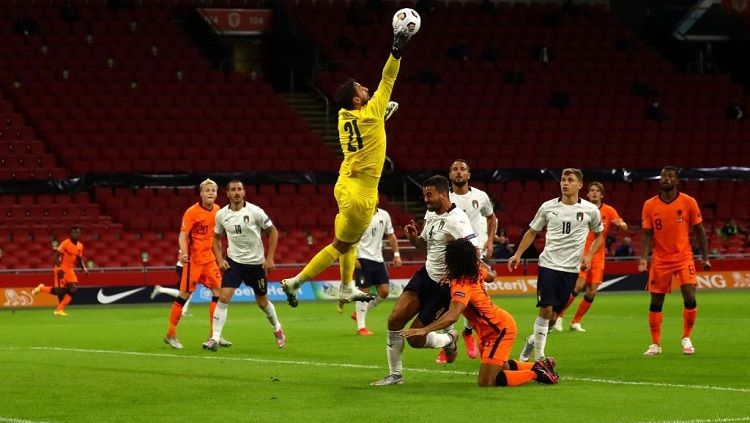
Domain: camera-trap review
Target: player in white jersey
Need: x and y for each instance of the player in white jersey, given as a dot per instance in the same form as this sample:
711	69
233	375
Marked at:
427	295
568	219
174	292
478	207
244	224
370	268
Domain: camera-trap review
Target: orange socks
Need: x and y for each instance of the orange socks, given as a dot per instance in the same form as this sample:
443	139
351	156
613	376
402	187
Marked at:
174	316
65	301
570	301
514	377
654	324
582	309
688	321
211	308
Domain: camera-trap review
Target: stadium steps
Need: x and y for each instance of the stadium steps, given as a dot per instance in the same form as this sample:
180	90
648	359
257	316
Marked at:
309	107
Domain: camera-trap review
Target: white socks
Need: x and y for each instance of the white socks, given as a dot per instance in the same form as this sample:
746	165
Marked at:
185	307
541	326
362	308
437	340
394	348
220	317
270	311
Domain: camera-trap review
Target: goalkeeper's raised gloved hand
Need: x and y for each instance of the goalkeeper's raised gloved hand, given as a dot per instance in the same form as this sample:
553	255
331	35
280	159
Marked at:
400	38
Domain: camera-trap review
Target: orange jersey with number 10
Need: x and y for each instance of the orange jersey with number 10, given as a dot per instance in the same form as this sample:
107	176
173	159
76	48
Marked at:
671	223
199	223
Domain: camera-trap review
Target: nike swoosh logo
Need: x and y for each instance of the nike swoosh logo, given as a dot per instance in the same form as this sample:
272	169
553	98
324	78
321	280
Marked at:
611	282
109	299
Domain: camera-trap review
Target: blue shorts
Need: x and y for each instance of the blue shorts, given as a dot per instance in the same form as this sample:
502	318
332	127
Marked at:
553	288
252	274
370	273
434	298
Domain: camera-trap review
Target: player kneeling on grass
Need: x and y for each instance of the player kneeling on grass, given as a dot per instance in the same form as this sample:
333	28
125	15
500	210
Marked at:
495	326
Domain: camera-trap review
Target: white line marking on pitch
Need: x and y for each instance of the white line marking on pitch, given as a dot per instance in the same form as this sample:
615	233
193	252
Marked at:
12	420
373	367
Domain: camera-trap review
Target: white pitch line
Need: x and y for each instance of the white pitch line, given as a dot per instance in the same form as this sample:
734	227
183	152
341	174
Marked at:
373	367
12	420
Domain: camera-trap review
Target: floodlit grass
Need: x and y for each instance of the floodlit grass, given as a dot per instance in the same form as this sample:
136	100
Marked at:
109	364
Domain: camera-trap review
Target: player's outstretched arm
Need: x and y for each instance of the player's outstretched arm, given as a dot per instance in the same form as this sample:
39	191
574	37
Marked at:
446	319
526	241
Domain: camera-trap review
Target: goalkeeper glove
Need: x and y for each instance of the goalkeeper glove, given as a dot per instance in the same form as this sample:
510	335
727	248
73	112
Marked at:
400	38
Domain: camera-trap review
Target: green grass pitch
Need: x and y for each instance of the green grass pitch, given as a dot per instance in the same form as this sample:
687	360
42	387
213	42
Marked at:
108	364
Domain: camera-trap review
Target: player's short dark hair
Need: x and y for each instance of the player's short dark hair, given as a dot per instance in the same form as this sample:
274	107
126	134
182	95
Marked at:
235	181
573	171
598	185
462	259
674	169
440	183
464	161
74	227
345	93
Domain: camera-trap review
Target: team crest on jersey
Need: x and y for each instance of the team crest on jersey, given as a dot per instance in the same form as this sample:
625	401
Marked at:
246	219
475	204
579	216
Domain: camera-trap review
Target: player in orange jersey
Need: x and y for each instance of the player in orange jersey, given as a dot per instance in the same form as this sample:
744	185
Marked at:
591	278
668	219
199	263
68	254
494	326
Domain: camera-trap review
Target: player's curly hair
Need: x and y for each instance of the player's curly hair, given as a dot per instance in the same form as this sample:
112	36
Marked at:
462	260
345	93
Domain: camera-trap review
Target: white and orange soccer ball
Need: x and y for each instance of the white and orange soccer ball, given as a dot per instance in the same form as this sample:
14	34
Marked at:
408	18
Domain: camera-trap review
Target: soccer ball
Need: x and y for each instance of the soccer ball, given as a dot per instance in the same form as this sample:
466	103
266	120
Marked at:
408	18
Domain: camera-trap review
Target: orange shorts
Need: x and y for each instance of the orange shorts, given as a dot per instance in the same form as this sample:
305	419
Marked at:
595	274
660	278
206	273
494	349
69	277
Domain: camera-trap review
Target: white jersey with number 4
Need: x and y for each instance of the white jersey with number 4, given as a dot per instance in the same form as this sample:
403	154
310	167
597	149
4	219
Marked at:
477	205
567	228
438	230
243	228
371	244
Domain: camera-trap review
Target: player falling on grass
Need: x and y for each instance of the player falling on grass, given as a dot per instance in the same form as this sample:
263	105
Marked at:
477	205
568	220
65	282
244	224
361	126
593	277
174	292
495	327
370	267
668	219
427	295
196	242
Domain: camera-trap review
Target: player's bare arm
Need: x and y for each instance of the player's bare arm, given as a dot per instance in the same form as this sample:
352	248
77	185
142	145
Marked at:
700	234
491	230
446	319
218	254
83	266
620	225
273	241
394	247
412	235
183	242
595	246
526	241
56	259
646	240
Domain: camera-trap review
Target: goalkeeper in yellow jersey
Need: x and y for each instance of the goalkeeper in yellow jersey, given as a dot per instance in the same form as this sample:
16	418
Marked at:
361	126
